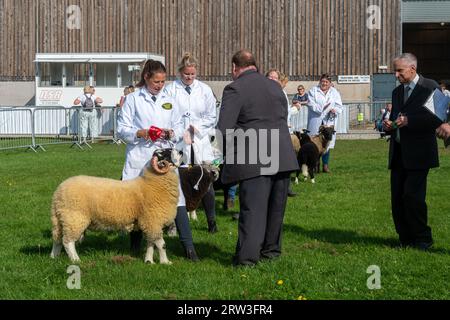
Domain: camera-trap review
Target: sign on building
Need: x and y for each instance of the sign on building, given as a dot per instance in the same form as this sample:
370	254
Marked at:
353	79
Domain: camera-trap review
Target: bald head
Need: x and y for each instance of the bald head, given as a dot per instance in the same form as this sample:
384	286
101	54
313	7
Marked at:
243	60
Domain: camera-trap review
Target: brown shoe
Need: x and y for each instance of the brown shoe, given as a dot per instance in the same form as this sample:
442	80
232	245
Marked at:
230	204
326	169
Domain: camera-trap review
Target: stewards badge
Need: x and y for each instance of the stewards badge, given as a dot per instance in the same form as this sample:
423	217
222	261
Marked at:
167	106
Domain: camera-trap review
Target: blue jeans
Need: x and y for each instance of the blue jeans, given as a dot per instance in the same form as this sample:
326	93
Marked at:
326	158
232	192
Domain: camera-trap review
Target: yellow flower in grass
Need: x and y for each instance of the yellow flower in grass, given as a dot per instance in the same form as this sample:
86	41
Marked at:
280	282
301	298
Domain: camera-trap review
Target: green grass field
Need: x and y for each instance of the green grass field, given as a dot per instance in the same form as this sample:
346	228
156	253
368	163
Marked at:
333	232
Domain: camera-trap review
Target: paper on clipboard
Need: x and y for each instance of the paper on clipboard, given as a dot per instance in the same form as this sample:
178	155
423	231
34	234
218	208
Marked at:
438	104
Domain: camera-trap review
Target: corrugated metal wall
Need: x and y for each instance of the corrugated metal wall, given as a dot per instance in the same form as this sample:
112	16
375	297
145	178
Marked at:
303	38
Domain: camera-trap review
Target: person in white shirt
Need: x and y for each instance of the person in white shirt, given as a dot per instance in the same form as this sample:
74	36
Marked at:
151	106
324	106
87	116
444	90
197	105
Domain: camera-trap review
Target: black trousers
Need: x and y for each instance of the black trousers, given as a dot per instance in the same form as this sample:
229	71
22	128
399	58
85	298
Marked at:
408	200
262	205
209	204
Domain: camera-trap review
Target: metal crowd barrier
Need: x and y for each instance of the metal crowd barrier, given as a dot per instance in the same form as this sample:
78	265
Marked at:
16	128
356	115
299	121
36	127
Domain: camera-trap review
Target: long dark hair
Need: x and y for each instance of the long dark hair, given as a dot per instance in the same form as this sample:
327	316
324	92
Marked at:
150	68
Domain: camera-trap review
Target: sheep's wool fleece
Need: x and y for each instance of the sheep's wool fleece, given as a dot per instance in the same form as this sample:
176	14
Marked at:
148	202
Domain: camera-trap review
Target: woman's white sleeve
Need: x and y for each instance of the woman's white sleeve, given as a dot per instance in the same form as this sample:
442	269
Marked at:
125	125
208	116
313	105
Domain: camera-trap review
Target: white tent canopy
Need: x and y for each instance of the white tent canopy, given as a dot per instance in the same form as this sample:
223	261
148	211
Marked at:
97	57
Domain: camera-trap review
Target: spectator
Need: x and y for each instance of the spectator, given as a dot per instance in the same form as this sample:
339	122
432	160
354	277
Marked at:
301	96
87	116
126	91
443	87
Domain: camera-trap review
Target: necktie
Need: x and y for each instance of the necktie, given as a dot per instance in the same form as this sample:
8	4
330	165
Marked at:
405	98
188	89
154	98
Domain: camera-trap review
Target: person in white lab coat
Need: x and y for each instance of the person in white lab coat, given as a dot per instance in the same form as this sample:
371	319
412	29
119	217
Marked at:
324	106
197	105
151	106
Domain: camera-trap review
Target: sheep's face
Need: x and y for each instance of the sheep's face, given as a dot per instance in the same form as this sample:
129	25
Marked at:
327	132
173	156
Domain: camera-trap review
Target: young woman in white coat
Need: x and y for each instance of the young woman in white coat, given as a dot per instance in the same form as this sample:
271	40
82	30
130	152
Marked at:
198	110
324	106
151	106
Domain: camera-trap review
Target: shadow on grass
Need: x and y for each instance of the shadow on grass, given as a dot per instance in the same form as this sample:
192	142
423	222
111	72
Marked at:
120	242
336	236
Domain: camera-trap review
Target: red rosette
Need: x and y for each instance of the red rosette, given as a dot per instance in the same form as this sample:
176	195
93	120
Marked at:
154	133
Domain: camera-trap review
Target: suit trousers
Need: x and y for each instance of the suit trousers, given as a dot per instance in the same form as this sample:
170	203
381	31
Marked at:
408	200
262	205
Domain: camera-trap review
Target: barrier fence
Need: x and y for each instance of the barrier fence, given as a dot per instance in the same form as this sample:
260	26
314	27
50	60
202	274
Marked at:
36	127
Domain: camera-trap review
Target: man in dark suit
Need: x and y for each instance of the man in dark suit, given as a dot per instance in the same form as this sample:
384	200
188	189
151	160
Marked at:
413	152
253	121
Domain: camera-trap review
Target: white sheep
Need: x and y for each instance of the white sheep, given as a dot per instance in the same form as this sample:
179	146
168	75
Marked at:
148	203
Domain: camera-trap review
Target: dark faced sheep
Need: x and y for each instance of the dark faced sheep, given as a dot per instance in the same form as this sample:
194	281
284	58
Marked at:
148	203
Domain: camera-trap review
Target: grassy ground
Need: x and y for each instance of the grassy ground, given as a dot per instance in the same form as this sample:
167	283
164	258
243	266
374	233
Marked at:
333	232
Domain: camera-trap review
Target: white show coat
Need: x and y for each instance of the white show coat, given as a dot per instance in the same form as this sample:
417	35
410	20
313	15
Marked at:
199	110
318	115
141	112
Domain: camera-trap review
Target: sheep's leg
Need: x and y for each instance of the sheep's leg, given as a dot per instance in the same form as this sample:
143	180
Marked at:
193	215
161	245
305	172
296	177
56	250
71	251
311	174
149	253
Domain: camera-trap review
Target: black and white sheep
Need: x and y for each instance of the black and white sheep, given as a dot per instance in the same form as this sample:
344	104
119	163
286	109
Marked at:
148	202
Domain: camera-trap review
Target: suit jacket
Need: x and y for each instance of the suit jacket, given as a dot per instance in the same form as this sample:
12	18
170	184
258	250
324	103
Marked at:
255	102
418	145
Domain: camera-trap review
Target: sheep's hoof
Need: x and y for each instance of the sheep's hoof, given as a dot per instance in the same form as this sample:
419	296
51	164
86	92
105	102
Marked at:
149	262
296	181
313	181
167	262
305	179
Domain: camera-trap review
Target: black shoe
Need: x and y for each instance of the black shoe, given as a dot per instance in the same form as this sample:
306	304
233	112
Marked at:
291	194
423	246
212	227
192	255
